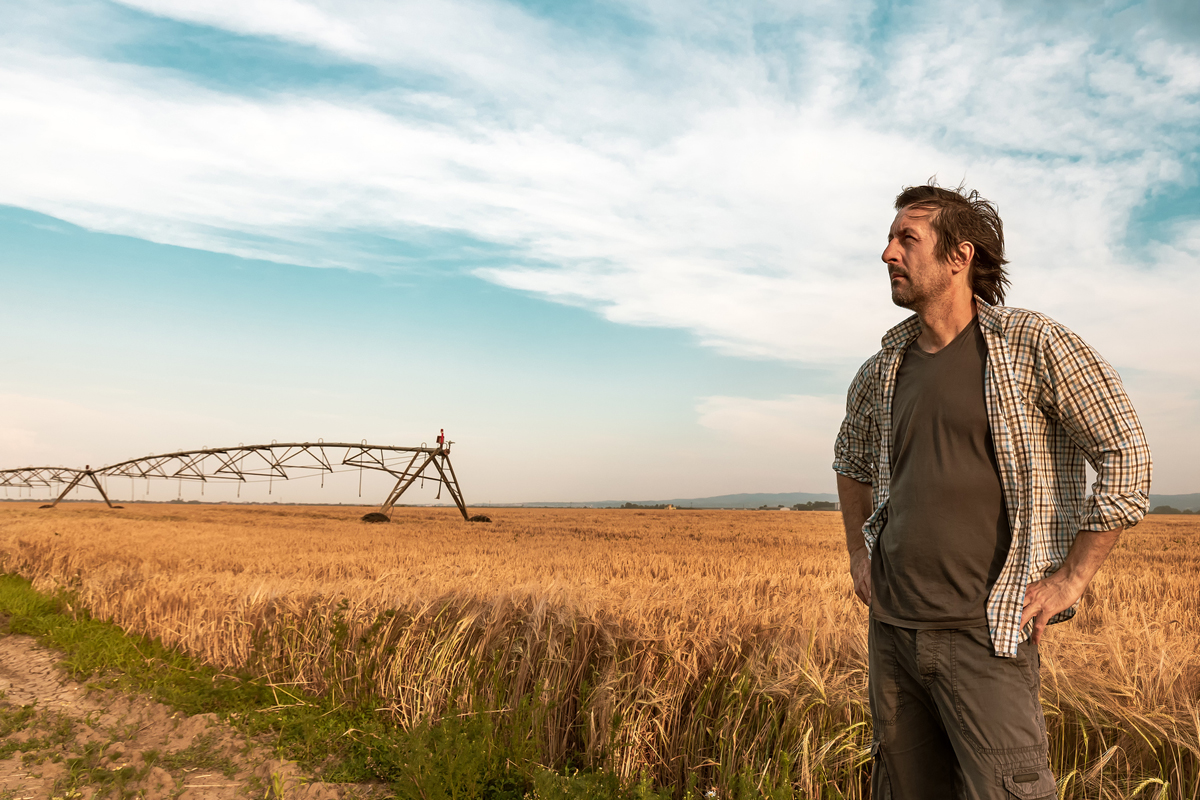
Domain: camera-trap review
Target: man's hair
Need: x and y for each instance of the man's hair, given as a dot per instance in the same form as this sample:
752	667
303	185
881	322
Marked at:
961	216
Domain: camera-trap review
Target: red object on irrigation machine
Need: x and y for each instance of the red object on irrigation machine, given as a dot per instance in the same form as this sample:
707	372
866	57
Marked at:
272	461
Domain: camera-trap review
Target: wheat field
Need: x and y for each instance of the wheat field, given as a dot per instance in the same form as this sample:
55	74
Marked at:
708	647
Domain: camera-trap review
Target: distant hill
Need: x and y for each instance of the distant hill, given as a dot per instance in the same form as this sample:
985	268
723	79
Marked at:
719	501
754	500
1181	501
750	500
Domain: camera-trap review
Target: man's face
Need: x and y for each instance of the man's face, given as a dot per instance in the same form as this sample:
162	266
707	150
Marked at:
915	272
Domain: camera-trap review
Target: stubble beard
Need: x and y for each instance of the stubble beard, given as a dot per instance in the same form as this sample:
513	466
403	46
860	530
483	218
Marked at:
903	298
916	297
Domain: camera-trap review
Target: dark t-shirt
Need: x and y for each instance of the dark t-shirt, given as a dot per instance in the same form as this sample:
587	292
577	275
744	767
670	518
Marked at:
947	533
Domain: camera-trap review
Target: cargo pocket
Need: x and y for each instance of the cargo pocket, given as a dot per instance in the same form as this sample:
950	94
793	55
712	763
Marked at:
881	784
1028	652
883	677
1030	783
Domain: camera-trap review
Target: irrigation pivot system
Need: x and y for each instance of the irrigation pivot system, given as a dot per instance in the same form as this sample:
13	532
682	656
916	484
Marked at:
271	461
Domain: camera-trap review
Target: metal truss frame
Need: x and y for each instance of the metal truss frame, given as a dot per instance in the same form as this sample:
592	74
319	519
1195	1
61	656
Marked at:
272	461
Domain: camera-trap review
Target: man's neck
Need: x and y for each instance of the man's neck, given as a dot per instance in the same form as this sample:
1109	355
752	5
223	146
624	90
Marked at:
942	321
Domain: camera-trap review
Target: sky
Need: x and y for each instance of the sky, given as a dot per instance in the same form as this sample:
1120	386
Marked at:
618	250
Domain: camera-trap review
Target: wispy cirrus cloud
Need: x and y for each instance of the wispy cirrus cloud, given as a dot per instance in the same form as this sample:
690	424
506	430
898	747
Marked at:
721	169
730	201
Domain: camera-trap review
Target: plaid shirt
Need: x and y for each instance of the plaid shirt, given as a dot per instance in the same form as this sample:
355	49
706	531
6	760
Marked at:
1052	402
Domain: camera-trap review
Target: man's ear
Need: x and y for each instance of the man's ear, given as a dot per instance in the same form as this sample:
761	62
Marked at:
962	256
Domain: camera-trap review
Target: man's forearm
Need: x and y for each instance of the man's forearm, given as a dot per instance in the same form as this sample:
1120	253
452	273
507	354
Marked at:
1058	592
1087	554
855	500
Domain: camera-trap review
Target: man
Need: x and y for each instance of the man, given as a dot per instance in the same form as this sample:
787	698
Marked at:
960	468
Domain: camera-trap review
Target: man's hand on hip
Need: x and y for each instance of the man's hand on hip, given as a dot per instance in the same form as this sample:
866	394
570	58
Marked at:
860	572
1044	599
1058	592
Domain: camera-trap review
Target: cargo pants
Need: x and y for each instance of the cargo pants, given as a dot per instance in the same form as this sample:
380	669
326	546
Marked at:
952	720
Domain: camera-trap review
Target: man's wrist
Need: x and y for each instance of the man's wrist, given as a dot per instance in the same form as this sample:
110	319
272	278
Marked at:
1073	584
1088	553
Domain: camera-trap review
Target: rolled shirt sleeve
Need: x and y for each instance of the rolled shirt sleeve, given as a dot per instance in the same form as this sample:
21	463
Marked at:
1090	400
856	450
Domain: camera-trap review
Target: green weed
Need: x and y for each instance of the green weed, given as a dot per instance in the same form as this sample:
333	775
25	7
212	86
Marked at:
202	754
463	755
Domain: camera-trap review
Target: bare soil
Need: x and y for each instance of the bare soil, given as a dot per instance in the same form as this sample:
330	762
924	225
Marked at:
61	740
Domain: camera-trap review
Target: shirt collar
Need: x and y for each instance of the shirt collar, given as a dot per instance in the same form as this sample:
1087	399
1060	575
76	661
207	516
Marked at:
989	317
902	334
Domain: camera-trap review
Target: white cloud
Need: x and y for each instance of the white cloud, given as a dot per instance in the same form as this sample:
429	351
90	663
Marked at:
37	431
286	19
790	436
697	177
729	206
792	422
19	440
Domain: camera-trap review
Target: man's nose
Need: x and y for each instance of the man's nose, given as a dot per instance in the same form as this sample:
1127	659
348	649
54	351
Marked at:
890	253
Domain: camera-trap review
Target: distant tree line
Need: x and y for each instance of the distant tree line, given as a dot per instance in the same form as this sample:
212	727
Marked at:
1172	510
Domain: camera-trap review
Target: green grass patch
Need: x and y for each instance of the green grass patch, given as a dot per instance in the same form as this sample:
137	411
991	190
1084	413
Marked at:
89	768
464	755
47	731
201	754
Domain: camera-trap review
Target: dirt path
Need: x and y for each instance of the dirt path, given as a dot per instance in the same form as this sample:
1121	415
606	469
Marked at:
61	741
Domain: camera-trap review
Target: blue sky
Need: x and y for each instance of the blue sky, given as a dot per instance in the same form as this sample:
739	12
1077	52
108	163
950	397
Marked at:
617	250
